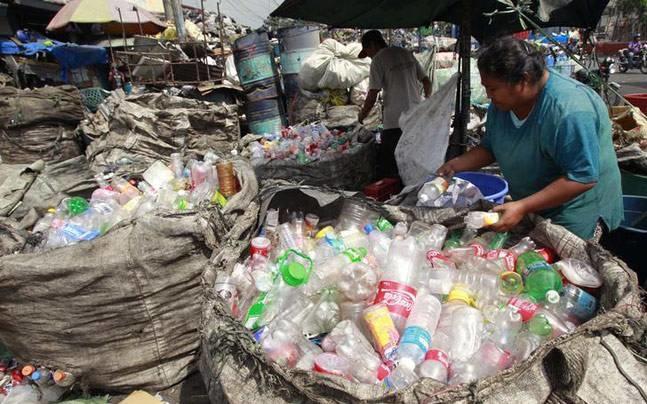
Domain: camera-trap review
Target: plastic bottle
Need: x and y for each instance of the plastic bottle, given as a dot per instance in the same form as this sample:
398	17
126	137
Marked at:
328	272
432	190
347	340
477	220
505	327
436	363
540	277
428	237
158	175
577	305
418	333
385	335
526	244
44	223
63	378
76	205
482	285
332	364
324	316
378	244
396	284
177	166
357	282
126	190
288	237
461	323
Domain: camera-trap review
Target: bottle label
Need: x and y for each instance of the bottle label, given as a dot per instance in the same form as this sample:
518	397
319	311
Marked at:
506	257
398	298
78	233
433	255
383	330
479	251
417	336
438	356
524	307
586	306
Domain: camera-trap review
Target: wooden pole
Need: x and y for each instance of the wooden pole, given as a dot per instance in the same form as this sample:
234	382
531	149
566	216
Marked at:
462	112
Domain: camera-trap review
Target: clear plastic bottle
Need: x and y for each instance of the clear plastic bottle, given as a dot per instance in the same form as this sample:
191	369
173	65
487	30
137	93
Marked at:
396	288
431	191
428	237
505	327
461	323
44	223
577	305
378	244
328	272
477	220
436	363
357	282
526	244
324	316
418	333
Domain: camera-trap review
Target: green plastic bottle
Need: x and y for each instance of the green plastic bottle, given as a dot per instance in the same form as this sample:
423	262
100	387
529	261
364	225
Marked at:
539	276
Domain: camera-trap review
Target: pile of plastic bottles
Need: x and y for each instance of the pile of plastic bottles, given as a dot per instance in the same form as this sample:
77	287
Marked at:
18	383
176	187
302	143
378	303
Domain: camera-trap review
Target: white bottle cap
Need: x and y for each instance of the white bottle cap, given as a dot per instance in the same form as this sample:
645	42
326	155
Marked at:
407	364
552	296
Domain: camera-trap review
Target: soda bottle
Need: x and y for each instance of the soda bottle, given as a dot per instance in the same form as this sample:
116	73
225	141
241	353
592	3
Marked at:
418	333
378	244
453	241
436	363
540	277
431	191
505	327
396	284
428	237
328	273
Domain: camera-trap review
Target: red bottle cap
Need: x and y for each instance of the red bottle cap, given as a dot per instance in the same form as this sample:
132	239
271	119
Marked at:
17	376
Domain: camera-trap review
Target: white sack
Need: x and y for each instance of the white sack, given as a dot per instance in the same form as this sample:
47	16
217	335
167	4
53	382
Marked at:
334	65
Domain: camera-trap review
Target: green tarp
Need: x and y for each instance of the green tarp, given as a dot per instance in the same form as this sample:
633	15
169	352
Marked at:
418	13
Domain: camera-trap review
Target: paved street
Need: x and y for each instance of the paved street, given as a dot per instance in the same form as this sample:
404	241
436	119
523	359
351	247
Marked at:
631	82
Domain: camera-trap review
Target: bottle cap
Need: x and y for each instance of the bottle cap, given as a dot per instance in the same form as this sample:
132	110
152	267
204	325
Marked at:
294	274
383	372
368	228
461	293
36	376
27	370
539	325
552	296
511	282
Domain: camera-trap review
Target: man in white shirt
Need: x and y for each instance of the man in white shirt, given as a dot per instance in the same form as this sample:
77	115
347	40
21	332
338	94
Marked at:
397	73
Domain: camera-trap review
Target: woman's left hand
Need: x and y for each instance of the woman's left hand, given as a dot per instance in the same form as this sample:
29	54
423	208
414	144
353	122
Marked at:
511	215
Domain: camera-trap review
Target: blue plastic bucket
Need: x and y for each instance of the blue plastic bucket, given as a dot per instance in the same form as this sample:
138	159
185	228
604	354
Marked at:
493	188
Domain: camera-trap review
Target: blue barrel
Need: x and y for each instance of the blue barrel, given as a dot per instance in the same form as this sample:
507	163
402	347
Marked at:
265	116
493	188
630	239
255	62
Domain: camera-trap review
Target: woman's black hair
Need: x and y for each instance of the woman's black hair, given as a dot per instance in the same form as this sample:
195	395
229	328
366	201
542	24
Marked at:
510	59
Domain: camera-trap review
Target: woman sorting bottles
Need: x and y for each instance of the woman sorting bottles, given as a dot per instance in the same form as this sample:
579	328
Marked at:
551	136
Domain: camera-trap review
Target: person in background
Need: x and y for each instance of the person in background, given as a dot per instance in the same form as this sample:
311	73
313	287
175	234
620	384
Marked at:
551	136
397	73
633	48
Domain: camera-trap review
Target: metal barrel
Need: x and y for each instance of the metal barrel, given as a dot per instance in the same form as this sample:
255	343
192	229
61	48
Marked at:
265	116
297	44
255	62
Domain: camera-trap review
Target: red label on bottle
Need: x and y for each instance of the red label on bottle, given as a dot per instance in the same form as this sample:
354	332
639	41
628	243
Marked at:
433	255
524	307
548	254
479	251
438	356
398	298
506	256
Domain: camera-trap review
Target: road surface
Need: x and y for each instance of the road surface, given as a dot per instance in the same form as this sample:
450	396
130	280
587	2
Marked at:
631	82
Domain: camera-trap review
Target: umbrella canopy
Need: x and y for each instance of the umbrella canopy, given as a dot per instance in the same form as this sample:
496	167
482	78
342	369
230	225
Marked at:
106	13
419	13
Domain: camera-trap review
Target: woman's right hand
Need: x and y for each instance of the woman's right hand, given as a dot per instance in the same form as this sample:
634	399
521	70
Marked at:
447	170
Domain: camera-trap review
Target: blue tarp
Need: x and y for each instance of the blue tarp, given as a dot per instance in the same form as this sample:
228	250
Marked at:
69	56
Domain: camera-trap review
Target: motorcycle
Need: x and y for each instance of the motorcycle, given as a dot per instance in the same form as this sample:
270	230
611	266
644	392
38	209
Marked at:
628	60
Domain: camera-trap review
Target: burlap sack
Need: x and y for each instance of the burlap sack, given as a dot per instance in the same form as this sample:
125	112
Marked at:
121	311
592	364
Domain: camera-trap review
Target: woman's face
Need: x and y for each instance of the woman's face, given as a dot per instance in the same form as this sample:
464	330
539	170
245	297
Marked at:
503	94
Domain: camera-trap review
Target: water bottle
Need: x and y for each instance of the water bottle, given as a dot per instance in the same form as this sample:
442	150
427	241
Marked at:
488	360
436	363
484	286
526	244
477	220
540	277
328	273
288	237
577	305
396	284
378	244
357	282
461	323
505	327
349	342
44	223
332	364
431	191
418	333
324	316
